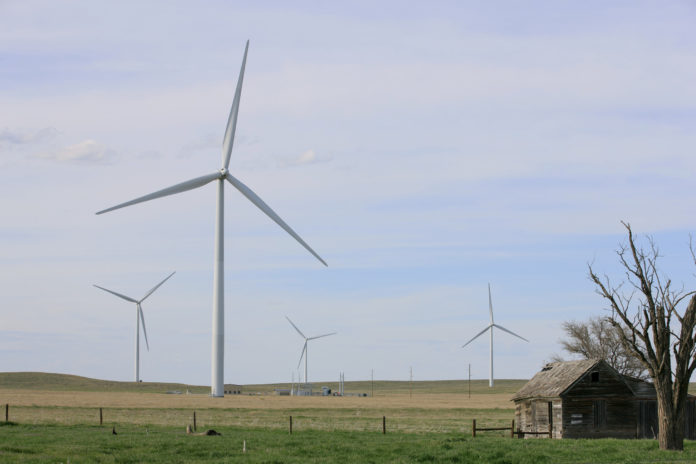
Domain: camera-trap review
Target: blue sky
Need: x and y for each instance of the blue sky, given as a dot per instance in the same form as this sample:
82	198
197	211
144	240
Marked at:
422	150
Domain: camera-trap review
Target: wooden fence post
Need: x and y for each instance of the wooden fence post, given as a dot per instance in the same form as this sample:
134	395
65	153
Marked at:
550	431
290	425
384	425
194	421
512	429
7	412
473	428
101	417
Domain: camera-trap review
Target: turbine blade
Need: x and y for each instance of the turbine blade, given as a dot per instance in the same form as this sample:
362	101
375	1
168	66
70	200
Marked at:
127	298
490	302
510	332
156	287
142	319
178	188
228	141
251	196
304	348
477	335
319	336
298	330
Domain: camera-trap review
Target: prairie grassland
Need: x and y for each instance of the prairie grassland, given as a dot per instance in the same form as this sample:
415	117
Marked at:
420	413
159	400
425	406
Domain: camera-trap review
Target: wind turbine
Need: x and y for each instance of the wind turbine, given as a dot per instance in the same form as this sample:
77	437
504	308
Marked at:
138	318
490	327
305	351
218	338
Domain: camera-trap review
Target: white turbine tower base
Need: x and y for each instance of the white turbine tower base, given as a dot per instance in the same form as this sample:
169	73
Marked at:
305	351
490	327
222	175
138	318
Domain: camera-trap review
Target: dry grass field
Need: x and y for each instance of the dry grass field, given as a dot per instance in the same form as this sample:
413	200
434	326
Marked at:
417	407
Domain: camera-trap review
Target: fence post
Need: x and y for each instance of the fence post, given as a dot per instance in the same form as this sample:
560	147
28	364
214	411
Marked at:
384	425
194	421
7	412
512	429
550	431
290	425
473	428
101	417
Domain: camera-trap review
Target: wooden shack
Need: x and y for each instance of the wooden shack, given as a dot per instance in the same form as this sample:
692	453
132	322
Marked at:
590	399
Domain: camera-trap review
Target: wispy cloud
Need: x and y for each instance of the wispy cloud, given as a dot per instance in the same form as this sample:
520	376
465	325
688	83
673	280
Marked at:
27	137
88	151
305	158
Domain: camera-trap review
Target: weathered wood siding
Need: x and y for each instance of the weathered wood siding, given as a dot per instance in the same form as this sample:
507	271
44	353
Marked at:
533	416
580	418
690	419
599	405
523	415
647	425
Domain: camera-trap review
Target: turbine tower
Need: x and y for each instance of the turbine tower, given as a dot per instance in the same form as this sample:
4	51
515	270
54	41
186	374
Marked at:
138	318
218	336
305	351
490	327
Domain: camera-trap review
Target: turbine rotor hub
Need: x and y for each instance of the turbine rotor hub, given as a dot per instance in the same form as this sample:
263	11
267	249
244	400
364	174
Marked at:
223	173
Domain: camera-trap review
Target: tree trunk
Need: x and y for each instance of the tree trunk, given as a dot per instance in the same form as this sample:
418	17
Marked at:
671	424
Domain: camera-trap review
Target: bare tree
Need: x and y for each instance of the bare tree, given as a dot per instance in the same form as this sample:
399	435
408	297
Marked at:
597	338
659	334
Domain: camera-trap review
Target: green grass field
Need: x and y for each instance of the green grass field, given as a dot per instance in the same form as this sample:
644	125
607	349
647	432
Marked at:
136	444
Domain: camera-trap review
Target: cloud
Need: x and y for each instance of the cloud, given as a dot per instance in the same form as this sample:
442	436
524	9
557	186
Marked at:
85	151
23	137
305	158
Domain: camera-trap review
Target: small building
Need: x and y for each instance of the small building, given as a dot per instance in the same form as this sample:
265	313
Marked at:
590	399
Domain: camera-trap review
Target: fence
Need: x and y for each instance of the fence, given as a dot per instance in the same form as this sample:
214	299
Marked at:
86	415
344	420
513	432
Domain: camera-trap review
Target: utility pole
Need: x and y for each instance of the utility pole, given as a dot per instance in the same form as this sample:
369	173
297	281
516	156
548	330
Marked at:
410	387
469	381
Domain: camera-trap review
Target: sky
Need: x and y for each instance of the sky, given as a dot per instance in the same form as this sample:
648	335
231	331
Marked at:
423	149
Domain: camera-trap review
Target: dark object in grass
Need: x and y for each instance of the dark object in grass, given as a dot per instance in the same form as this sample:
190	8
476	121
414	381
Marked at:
209	432
113	431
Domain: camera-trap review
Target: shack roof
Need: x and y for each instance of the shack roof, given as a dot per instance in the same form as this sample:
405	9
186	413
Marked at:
555	378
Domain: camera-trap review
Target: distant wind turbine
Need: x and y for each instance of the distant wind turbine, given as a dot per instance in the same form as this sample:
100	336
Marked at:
305	351
138	318
218	336
490	327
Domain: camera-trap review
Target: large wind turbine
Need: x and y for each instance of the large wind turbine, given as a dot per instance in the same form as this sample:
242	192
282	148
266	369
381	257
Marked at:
305	351
138	318
490	327
218	347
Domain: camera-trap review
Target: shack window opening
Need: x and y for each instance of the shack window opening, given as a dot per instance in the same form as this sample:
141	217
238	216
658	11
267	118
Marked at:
595	377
